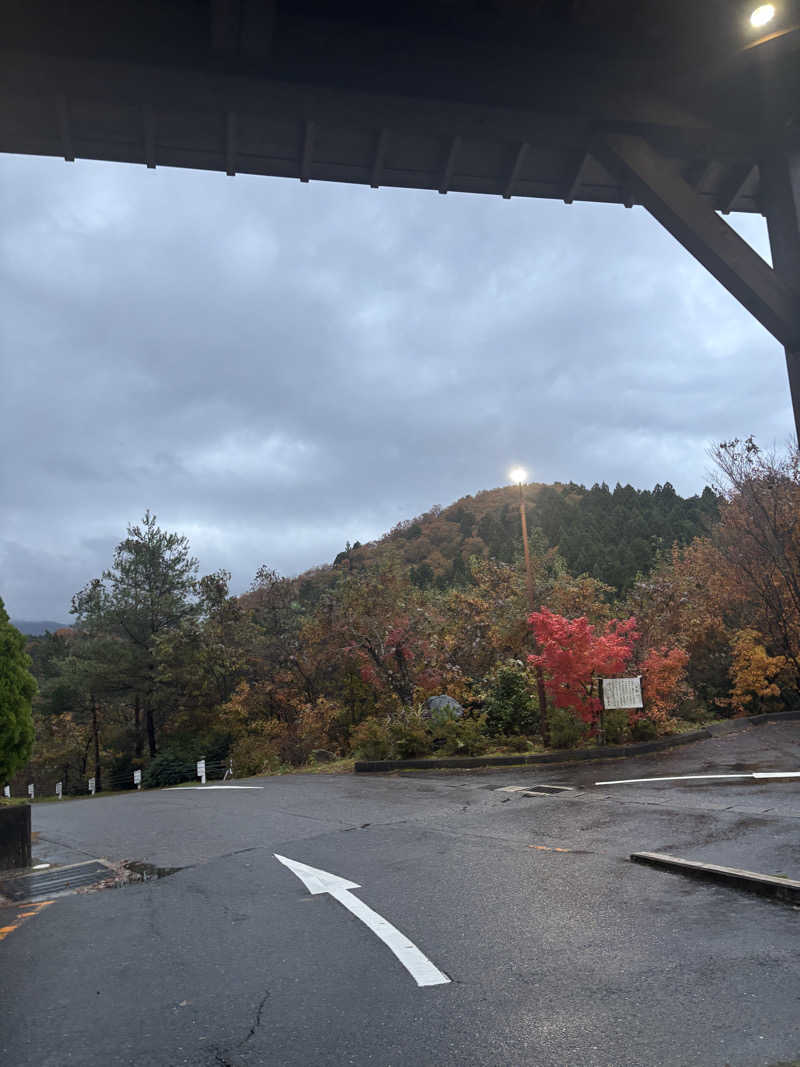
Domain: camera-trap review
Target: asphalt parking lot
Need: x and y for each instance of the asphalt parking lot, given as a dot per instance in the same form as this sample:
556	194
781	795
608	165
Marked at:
557	948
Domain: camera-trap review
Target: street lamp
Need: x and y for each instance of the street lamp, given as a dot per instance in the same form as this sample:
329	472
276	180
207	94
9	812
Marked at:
519	476
762	15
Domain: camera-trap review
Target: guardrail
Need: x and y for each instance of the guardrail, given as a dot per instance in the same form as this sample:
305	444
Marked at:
202	769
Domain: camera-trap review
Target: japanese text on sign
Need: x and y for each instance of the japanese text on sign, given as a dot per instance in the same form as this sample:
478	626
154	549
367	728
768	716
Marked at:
622	692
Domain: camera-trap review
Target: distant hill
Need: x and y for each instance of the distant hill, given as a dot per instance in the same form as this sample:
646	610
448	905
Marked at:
612	535
37	628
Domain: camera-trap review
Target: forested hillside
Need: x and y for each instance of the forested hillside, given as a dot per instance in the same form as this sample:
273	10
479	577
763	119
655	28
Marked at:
612	535
699	597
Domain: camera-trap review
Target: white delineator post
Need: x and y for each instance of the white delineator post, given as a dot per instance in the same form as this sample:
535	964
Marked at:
31	791
201	770
59	790
91	786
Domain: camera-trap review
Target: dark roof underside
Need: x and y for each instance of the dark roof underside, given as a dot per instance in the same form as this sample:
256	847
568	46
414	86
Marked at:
488	96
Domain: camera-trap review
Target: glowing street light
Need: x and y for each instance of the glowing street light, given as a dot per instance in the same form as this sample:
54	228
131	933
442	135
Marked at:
762	15
519	476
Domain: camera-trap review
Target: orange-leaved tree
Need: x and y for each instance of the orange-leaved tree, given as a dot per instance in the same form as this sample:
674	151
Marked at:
663	675
753	672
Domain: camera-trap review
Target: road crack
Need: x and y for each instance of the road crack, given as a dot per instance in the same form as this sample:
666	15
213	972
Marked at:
257	1020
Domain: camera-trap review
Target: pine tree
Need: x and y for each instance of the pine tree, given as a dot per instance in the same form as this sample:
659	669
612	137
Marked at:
149	591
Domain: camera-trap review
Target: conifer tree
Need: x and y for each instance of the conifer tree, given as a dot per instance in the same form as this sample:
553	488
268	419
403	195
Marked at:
17	687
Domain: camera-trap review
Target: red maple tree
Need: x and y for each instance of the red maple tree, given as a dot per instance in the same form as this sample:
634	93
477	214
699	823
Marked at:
573	653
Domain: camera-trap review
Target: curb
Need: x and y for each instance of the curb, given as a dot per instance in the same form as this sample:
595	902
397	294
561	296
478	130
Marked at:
569	755
767	885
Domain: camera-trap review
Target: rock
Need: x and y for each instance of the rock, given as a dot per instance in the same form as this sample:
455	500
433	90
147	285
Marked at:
441	708
322	755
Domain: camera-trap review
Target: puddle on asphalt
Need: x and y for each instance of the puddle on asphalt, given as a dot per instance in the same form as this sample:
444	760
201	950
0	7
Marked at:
138	871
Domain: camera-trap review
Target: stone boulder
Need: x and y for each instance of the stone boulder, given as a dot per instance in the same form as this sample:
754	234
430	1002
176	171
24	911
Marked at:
322	755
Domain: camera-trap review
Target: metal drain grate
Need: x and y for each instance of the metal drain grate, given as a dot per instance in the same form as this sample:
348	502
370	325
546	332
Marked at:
57	880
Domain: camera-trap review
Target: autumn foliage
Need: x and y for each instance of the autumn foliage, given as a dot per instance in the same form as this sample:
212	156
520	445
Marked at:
663	675
573	654
700	597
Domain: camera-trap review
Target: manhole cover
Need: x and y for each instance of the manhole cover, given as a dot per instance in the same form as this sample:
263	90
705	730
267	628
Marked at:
57	880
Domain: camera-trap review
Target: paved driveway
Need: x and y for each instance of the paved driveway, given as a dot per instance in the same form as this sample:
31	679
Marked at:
559	950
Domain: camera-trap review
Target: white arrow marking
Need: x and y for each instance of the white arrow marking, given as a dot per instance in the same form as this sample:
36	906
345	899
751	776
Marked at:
415	962
702	777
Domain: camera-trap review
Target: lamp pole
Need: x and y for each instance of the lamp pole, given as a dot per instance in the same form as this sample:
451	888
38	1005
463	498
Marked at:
520	477
526	549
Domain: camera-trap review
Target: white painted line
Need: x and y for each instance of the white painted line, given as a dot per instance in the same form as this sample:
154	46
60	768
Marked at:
703	777
512	788
205	787
415	962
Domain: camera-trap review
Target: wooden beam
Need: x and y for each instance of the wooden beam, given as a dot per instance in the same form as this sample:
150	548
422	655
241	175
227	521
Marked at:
149	126
307	149
733	186
377	162
65	128
226	24
257	23
780	202
519	159
700	171
574	176
450	162
659	187
230	144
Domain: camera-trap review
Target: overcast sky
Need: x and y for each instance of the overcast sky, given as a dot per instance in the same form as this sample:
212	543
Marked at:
275	368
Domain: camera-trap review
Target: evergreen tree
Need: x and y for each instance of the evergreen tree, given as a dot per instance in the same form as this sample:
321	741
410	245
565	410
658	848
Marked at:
17	687
149	591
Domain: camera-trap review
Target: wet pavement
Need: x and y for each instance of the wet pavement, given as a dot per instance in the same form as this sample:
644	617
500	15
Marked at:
559	949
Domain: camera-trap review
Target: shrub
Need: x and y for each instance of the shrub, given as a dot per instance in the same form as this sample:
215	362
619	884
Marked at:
515	743
317	723
189	747
566	730
617	726
410	739
465	737
510	704
371	740
644	729
167	769
518	743
262	748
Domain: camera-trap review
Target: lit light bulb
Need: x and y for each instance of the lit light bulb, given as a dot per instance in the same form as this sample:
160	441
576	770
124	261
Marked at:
762	15
518	475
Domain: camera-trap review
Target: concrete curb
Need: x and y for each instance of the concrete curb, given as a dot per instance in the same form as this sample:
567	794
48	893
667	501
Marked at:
785	889
568	755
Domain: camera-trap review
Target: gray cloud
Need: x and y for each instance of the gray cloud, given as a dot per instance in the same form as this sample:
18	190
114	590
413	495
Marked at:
275	368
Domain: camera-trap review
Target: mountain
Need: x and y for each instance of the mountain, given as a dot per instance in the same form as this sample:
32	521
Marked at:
612	535
38	627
